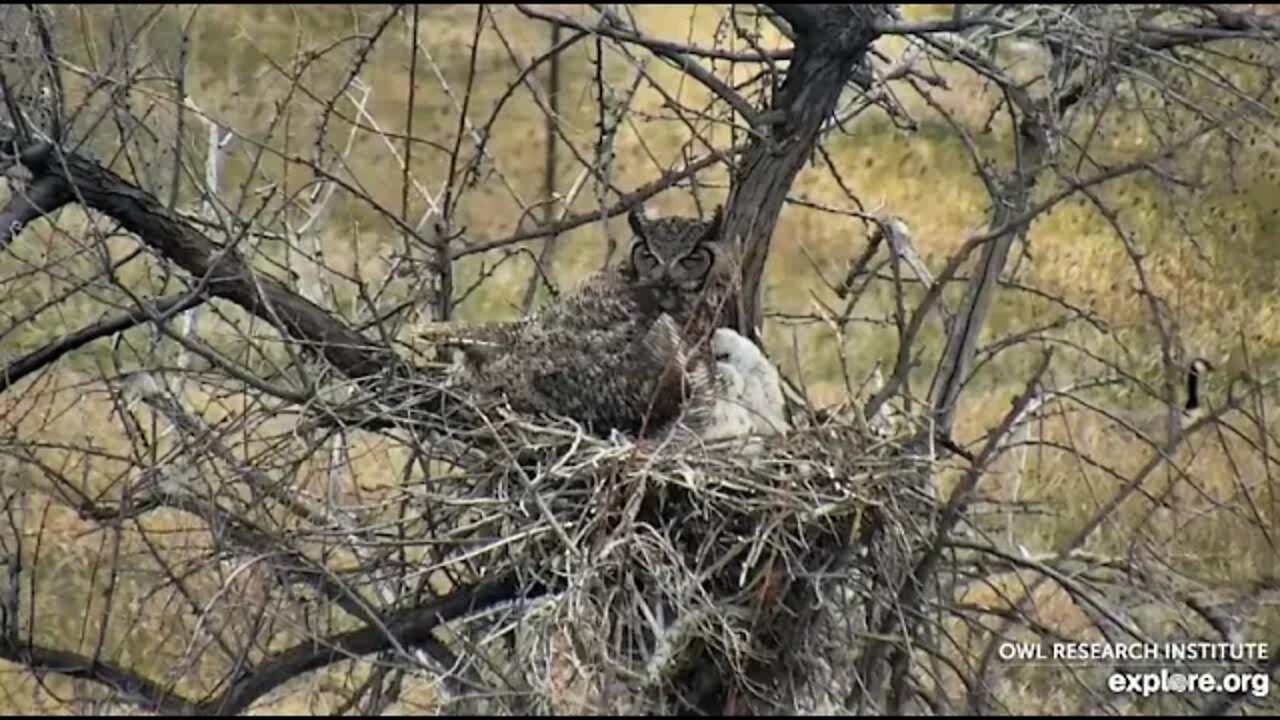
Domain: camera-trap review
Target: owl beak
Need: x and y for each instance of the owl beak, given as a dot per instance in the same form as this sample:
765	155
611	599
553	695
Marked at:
670	280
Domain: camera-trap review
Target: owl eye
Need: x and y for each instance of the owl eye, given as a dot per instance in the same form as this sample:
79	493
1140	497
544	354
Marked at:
697	260
641	256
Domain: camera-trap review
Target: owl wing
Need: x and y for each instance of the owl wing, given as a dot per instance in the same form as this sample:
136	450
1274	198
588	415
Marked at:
625	378
762	395
726	414
602	356
479	343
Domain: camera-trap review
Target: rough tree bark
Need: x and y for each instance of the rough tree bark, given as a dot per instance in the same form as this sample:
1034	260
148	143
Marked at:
831	41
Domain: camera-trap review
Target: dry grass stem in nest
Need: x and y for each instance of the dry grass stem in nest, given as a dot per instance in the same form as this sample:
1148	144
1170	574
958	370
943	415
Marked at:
709	570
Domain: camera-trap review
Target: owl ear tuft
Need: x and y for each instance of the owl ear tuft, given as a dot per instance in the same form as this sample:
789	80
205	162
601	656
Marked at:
713	227
638	218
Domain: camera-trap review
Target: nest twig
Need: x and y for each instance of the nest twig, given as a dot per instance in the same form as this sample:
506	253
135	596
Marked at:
702	578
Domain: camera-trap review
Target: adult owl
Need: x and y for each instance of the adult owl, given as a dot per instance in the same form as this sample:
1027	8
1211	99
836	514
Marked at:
613	355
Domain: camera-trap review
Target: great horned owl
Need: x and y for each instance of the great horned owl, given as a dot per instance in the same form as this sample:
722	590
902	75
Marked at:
613	354
685	268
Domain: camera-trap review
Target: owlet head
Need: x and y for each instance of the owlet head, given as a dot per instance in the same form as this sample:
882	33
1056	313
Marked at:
677	253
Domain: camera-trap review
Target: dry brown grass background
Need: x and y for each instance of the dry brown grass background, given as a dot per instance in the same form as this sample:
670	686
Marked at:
1221	291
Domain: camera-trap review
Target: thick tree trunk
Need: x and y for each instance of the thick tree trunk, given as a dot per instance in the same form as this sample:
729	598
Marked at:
831	40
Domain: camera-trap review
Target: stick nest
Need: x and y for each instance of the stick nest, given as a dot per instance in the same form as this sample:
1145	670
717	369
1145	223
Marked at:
699	578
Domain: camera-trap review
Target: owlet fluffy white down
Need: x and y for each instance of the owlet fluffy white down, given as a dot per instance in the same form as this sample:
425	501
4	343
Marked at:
745	398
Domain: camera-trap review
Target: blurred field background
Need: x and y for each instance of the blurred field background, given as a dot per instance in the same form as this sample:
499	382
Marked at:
1212	252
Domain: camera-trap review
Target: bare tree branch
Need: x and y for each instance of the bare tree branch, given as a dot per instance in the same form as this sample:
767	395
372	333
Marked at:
40	198
330	512
158	311
407	627
222	271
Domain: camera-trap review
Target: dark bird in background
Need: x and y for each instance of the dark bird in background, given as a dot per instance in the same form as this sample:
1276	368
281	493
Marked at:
1196	372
